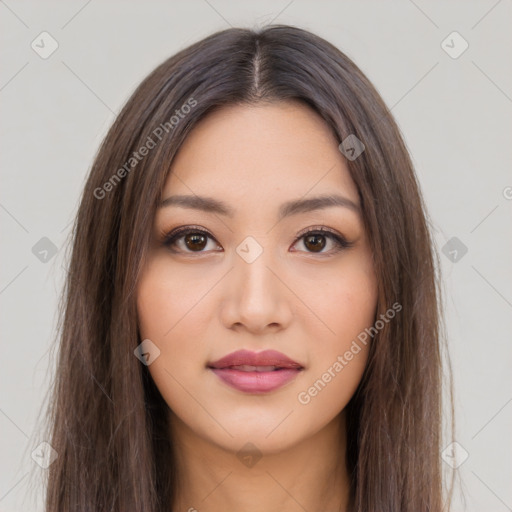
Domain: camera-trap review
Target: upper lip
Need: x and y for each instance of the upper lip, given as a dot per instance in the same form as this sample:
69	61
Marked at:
264	358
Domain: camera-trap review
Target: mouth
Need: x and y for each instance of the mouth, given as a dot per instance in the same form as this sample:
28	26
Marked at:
256	372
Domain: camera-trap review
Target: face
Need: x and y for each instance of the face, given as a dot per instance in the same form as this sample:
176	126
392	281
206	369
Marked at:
261	267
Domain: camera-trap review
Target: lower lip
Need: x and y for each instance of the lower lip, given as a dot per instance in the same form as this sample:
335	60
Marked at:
256	382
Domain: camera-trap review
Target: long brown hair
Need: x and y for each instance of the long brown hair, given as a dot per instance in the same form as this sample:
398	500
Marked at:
106	419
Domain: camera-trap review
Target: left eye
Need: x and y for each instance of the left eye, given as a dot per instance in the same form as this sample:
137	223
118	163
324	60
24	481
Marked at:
315	241
196	240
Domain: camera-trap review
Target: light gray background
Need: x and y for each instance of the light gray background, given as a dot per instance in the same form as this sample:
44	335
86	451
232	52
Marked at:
455	115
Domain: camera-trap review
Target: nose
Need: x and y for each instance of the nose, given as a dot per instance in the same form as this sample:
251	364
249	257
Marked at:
255	296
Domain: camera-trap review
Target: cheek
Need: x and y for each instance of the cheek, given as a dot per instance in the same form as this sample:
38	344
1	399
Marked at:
167	299
172	315
338	358
345	305
337	361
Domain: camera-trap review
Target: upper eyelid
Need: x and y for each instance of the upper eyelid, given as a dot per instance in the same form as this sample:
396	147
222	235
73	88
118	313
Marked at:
186	229
183	230
320	228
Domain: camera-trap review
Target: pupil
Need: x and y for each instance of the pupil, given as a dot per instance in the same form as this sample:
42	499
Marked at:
315	243
195	241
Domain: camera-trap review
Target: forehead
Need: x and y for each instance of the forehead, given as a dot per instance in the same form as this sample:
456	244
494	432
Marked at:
282	148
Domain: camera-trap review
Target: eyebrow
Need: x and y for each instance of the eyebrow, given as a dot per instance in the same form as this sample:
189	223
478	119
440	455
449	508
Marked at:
294	207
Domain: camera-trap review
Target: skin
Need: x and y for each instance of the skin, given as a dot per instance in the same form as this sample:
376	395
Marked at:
198	306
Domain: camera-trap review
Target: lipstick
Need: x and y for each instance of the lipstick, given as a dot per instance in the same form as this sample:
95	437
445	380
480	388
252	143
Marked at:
256	372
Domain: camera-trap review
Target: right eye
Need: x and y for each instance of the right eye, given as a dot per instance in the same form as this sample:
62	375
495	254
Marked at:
187	239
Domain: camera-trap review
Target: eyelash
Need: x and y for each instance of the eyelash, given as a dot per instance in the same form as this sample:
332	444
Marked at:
169	239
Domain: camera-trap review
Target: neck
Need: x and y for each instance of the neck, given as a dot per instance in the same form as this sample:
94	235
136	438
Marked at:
310	475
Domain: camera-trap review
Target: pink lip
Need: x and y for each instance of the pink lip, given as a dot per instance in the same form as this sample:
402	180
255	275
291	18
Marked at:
264	358
256	381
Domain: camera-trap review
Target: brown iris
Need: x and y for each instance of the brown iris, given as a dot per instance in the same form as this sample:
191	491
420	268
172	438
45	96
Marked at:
195	241
315	243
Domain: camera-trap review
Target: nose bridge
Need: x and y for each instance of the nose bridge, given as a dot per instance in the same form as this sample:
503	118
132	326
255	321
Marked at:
254	278
257	298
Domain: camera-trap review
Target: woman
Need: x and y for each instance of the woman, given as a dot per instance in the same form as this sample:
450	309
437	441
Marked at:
251	319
